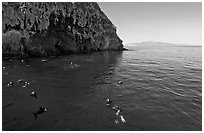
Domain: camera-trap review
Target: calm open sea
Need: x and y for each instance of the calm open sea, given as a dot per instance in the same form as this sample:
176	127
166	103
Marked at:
161	90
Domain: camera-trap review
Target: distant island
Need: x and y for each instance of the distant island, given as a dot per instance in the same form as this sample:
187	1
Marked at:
36	29
154	43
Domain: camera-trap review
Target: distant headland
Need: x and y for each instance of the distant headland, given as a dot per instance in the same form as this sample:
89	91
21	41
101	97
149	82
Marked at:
154	43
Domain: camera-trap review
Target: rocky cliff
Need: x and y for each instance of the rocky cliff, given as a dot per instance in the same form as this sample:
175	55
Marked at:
31	29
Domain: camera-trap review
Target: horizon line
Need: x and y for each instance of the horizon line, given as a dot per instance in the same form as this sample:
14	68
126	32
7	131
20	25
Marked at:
195	44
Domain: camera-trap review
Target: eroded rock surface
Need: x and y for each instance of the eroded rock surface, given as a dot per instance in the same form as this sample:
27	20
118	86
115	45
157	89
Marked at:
32	29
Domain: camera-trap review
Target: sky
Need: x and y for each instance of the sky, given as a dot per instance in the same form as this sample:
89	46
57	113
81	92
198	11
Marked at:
174	22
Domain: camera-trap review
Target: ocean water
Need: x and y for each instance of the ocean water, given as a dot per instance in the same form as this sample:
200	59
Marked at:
161	90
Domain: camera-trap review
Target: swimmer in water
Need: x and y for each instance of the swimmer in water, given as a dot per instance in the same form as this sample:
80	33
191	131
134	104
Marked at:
108	102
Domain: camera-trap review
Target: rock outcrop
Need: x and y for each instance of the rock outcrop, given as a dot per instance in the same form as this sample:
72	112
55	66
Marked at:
31	29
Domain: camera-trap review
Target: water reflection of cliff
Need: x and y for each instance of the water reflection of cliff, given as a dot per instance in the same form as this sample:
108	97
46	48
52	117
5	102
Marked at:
110	60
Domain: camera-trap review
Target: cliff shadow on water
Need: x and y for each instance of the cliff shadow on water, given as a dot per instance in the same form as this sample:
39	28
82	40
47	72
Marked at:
72	88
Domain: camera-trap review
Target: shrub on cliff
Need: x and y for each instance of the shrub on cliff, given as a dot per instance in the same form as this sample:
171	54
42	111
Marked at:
11	41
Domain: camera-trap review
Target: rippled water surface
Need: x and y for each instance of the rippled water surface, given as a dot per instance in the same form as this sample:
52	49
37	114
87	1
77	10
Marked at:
161	90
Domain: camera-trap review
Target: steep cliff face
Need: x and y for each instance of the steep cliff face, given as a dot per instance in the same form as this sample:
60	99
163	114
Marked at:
44	29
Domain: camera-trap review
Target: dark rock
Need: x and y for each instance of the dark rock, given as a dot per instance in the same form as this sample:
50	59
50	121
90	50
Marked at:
125	49
35	29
